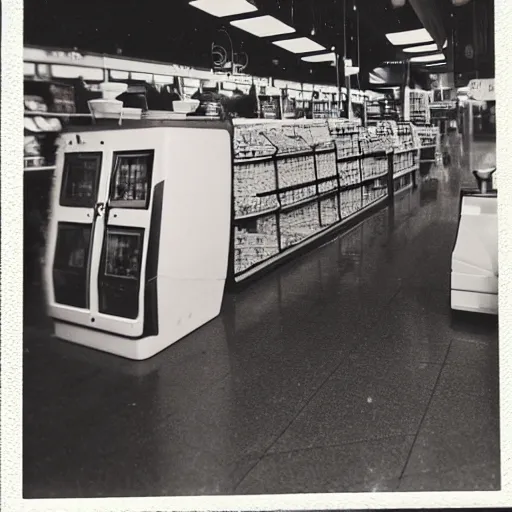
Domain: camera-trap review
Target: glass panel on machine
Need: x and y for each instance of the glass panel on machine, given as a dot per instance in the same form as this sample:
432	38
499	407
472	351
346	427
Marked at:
131	180
119	280
80	180
71	264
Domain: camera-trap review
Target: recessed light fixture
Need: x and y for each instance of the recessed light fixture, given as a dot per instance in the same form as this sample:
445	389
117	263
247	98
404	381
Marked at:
300	45
416	36
429	58
324	57
263	26
424	48
221	8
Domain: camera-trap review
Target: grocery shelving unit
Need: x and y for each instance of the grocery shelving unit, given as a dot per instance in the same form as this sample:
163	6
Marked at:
430	143
295	182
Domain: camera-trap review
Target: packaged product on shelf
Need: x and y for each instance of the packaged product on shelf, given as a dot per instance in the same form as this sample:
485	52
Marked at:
325	165
373	166
329	212
248	142
327	186
349	172
298	224
295	170
372	192
255	243
251	179
350	202
296	195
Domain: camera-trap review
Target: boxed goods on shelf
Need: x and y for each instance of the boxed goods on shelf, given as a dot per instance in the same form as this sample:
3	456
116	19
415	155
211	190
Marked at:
350	202
386	131
419	106
251	179
328	185
372	167
369	142
374	191
326	165
349	172
248	142
346	135
294	170
290	197
428	135
402	162
315	133
299	224
402	182
329	211
255	242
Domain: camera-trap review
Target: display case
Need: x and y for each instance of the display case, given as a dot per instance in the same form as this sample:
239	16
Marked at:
134	212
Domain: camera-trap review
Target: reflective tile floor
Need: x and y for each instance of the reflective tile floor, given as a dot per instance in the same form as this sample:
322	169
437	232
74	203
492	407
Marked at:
341	371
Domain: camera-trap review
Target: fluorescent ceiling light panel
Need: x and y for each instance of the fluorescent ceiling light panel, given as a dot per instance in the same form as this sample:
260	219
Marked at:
300	45
424	48
324	57
435	64
417	36
429	58
263	26
221	8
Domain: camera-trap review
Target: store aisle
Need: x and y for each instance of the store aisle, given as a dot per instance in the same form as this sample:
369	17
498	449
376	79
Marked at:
342	371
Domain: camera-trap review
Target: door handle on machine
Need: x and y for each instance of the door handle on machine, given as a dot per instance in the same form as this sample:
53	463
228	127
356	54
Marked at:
102	210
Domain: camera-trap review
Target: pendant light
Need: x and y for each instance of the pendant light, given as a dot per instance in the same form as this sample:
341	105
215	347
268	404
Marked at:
397	3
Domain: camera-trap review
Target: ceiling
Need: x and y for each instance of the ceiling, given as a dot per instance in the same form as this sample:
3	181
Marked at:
173	31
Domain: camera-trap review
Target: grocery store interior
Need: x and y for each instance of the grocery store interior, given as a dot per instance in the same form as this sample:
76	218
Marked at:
260	242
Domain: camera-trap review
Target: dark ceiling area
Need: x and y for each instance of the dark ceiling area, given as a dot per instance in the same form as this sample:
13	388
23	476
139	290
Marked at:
173	31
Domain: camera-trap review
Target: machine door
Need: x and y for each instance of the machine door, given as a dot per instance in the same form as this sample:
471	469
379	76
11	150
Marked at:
101	224
121	242
71	235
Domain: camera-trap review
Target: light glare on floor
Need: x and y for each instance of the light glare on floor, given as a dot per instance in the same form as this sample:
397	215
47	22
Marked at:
221	8
263	26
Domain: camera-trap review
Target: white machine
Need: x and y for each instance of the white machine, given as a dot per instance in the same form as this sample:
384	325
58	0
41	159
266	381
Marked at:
139	234
474	279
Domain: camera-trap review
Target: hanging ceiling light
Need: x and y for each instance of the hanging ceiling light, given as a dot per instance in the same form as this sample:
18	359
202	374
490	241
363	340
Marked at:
224	8
263	26
429	58
397	3
324	57
458	3
300	45
407	37
424	48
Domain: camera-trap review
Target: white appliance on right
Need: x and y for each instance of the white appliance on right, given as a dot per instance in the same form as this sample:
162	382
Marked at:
474	277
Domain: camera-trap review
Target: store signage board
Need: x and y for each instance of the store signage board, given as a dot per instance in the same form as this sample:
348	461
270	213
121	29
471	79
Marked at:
482	90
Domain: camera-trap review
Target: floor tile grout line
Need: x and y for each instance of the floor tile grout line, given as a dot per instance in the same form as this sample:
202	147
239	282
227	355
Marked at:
315	393
339	445
424	414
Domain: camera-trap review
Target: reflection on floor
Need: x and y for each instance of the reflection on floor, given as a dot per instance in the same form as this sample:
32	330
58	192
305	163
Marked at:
342	371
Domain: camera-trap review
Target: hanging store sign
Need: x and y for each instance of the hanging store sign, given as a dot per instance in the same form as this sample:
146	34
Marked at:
482	90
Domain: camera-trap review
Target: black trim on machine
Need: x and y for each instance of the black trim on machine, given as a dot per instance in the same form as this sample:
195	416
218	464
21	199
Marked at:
151	292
